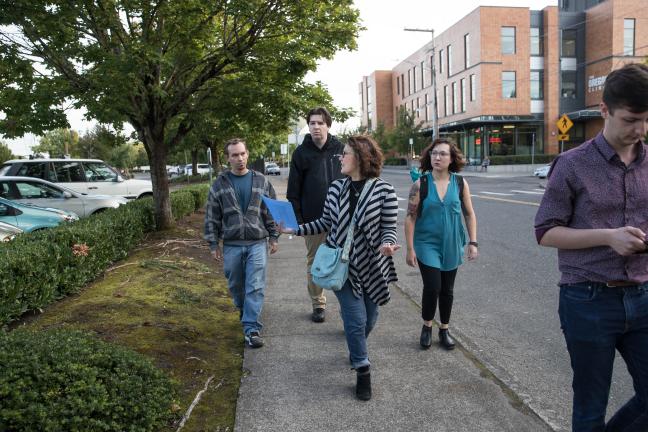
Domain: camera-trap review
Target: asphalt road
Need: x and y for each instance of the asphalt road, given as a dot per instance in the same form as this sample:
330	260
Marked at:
506	304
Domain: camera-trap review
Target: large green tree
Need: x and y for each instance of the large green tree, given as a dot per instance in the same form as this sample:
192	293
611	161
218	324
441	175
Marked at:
156	64
58	142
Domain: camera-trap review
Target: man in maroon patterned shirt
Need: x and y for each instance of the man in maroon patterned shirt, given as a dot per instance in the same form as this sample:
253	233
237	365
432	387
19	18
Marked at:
595	212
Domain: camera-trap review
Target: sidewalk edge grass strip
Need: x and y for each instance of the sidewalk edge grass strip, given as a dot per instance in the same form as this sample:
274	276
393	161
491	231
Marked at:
174	308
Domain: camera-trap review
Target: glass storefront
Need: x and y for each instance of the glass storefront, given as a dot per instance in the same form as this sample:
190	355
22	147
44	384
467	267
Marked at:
498	140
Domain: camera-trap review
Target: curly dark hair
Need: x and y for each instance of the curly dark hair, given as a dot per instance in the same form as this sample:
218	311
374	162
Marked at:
368	154
458	159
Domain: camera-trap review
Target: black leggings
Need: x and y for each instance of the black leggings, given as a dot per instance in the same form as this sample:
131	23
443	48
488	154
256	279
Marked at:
437	284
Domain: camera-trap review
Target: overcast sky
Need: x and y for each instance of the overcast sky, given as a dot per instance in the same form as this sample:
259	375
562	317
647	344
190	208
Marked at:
381	46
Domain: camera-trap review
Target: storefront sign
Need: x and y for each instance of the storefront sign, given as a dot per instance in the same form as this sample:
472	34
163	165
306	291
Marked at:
595	83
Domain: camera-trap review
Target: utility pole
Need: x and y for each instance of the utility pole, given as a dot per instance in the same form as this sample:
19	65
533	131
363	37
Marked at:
435	113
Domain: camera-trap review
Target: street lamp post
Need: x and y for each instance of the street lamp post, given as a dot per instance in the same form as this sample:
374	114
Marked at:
435	113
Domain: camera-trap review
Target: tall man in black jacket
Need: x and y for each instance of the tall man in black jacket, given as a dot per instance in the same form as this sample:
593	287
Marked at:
315	164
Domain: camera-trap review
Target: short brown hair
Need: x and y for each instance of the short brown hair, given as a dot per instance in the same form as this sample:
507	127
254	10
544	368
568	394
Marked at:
627	88
232	142
320	111
458	160
368	155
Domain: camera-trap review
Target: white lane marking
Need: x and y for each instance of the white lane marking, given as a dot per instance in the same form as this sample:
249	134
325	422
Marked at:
401	199
539	190
507	200
527	192
400	209
496	193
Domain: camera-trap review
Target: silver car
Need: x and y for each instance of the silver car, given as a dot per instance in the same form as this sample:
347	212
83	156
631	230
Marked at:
8	232
34	191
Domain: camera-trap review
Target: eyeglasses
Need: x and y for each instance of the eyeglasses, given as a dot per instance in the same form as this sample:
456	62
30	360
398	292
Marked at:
442	154
344	153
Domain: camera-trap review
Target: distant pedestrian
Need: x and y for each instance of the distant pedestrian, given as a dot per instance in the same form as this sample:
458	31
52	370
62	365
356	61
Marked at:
314	166
594	211
236	215
435	234
485	163
371	267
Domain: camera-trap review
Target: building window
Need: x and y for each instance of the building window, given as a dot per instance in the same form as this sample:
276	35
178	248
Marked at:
568	43
445	100
409	82
449	50
423	74
403	84
427	108
414	78
418	107
467	51
463	94
568	85
508	84
537	91
455	98
398	85
441	61
473	87
536	42
629	37
431	68
508	40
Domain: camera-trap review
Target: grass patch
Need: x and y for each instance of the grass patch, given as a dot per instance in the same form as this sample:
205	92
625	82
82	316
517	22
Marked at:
169	301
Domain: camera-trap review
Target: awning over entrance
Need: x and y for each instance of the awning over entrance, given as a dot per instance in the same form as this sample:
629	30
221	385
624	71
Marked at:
584	114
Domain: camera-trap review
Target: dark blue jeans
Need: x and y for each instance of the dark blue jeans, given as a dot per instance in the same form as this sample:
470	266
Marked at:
359	315
596	320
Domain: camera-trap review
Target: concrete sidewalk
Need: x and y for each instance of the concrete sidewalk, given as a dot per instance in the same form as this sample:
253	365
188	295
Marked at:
301	380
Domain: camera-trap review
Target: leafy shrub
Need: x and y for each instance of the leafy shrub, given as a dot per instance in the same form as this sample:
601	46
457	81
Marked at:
198	178
182	203
69	381
521	159
200	193
396	161
38	268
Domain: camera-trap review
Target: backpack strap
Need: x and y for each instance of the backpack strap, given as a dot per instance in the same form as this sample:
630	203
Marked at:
460	184
423	191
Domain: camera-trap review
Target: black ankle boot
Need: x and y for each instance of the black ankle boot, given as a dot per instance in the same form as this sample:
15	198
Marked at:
446	340
363	385
426	337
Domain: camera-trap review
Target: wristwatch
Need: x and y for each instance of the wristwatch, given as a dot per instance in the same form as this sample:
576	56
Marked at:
473	244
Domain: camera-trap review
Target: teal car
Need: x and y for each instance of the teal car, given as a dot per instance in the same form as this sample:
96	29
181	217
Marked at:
31	218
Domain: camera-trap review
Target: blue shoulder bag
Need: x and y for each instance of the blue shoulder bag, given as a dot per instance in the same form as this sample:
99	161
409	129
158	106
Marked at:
330	269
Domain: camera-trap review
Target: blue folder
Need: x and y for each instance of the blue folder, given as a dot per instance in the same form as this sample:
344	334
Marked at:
282	212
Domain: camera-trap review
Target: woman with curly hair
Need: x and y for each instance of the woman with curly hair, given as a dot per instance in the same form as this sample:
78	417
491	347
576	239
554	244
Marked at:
435	235
371	267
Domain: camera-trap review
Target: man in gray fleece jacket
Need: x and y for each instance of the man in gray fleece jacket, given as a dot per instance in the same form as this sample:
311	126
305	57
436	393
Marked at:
236	215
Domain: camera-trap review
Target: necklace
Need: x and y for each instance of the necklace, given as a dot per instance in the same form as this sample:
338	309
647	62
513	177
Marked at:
356	192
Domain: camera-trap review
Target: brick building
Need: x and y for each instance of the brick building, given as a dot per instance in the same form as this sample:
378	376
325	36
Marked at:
505	75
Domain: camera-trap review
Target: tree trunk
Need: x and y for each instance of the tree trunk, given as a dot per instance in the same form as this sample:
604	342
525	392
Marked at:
194	162
159	178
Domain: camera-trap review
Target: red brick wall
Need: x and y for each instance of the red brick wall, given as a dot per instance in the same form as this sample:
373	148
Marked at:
551	78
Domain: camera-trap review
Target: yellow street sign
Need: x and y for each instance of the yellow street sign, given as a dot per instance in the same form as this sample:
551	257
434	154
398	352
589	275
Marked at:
563	137
564	124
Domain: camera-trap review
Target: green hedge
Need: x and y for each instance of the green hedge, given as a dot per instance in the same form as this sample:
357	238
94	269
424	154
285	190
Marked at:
521	159
68	381
40	267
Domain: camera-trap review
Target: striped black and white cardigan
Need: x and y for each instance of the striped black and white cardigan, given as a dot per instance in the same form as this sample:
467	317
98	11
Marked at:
369	271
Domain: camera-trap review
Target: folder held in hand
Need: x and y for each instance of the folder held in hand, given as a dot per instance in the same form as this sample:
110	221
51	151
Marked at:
282	212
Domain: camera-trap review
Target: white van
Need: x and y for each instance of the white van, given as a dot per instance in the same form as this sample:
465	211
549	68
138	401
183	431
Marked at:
86	176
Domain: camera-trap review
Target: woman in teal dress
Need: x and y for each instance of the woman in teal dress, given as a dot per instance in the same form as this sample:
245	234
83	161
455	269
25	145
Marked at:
435	233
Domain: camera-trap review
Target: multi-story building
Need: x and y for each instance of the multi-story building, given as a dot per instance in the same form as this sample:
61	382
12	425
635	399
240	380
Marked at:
505	75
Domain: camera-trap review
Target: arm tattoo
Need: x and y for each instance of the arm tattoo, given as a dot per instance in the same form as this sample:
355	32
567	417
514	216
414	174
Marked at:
412	206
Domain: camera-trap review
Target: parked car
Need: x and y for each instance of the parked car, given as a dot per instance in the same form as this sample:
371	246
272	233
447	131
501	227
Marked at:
200	169
28	190
86	176
272	168
31	218
8	232
543	171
